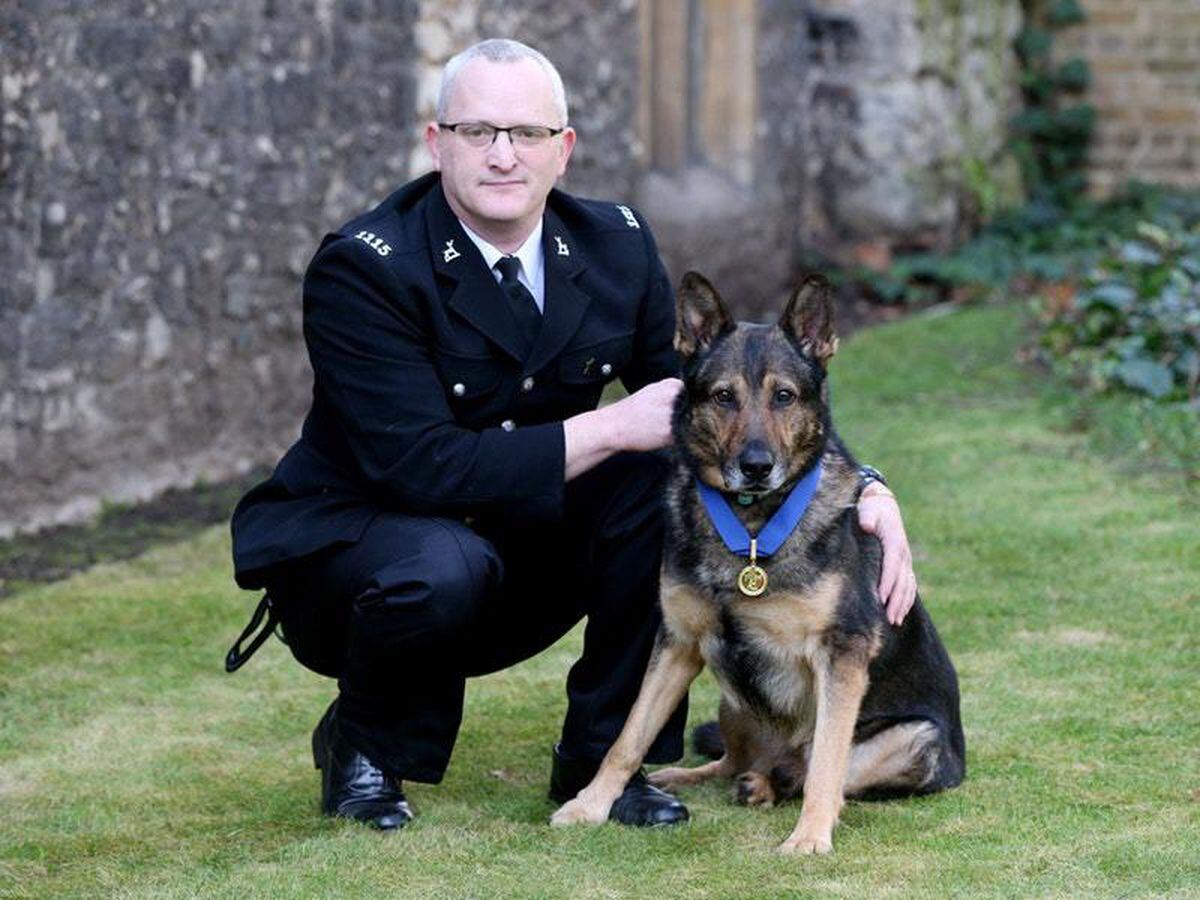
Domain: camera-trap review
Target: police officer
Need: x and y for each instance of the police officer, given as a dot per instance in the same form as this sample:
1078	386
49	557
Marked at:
456	501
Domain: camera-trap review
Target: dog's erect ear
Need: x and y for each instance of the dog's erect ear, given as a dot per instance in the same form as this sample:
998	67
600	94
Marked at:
701	315
809	318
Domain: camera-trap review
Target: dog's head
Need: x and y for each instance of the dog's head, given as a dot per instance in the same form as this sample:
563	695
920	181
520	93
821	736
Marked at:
753	415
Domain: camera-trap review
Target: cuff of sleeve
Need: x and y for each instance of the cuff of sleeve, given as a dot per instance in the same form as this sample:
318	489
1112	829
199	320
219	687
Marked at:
541	452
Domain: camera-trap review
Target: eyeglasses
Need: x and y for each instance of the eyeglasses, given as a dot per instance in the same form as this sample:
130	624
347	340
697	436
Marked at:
483	134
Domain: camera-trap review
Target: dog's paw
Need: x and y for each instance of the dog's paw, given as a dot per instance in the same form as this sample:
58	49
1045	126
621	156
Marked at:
807	844
671	778
754	789
579	811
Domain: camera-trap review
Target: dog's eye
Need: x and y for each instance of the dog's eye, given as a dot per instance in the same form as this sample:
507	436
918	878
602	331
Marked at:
724	396
783	396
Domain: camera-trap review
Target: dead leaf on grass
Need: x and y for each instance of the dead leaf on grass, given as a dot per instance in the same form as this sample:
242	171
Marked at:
1067	637
1081	637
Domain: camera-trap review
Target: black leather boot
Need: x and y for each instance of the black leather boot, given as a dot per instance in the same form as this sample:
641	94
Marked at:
351	785
641	803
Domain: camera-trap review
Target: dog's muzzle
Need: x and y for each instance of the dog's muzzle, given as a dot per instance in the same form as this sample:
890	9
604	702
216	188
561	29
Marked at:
754	471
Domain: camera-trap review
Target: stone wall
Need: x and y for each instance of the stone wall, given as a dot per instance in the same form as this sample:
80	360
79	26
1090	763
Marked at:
730	209
166	170
880	125
908	103
1145	62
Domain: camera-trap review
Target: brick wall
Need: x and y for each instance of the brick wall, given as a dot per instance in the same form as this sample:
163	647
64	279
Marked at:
1145	60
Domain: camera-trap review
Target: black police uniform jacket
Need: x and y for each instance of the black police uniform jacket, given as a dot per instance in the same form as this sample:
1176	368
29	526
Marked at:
425	399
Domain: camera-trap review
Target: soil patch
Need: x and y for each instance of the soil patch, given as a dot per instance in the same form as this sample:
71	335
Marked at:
119	532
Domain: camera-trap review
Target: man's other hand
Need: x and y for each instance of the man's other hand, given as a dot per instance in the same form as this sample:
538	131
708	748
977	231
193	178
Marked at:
879	514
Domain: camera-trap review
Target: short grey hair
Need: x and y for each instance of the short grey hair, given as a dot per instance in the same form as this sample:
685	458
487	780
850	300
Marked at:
500	50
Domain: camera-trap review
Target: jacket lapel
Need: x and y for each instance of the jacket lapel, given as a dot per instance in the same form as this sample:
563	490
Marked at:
475	295
565	302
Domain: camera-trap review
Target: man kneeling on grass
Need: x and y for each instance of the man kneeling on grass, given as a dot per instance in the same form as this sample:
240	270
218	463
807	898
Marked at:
456	501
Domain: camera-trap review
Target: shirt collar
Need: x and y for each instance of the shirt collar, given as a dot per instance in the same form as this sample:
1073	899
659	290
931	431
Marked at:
529	253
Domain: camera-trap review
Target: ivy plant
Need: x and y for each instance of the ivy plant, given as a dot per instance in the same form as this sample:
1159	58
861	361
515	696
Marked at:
1051	135
1135	321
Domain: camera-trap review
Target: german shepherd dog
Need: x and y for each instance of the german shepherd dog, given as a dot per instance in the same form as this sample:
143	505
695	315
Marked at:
820	696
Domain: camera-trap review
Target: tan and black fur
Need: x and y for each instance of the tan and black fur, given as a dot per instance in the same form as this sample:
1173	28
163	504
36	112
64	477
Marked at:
820	696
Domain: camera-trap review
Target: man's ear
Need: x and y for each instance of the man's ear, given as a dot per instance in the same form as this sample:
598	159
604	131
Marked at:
808	318
431	144
701	315
566	145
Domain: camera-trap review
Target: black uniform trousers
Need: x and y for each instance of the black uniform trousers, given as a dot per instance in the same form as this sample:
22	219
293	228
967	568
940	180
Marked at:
418	605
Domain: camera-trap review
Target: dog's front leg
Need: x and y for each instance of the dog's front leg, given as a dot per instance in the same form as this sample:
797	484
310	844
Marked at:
841	681
673	667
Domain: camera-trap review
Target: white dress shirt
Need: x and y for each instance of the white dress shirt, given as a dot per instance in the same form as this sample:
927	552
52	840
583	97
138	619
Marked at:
532	273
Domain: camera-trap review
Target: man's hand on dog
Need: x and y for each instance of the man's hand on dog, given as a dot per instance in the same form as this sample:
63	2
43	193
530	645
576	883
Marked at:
879	514
641	421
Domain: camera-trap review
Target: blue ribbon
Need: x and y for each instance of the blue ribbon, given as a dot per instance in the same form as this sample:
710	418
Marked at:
777	529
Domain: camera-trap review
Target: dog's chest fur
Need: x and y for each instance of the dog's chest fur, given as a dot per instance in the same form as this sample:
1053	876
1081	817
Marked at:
763	650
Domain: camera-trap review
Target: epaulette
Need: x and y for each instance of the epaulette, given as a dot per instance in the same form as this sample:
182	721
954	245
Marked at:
597	215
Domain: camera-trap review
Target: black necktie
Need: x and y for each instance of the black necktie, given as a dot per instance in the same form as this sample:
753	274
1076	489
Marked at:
524	307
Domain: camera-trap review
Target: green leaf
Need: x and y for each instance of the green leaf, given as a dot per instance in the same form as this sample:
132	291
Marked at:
1033	43
1074	75
1033	121
1155	234
1188	364
1038	86
1131	347
1136	253
1076	120
1065	12
1098	325
1112	294
1072	186
1146	376
1047	266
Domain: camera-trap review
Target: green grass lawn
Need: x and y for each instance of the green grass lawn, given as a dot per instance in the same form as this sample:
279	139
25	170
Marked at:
1066	585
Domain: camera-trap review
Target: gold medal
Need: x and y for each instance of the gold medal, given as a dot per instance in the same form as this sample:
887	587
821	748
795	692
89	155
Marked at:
752	580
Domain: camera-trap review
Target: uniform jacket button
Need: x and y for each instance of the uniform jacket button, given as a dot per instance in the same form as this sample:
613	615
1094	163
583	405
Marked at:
527	384
459	389
508	425
606	369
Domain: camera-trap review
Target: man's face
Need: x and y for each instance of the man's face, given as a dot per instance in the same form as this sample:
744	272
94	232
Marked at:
500	190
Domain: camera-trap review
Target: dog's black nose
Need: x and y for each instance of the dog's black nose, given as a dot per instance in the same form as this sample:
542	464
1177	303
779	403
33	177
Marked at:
756	464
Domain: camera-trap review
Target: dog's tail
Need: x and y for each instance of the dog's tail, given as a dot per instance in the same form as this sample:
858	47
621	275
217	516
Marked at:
707	740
